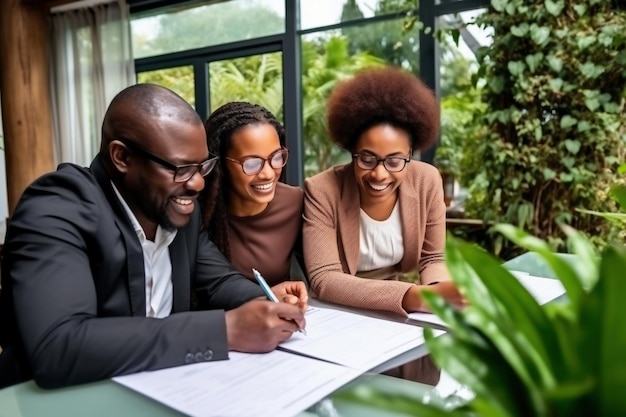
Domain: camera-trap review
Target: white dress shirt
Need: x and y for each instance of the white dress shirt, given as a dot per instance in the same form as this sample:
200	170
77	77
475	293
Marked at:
157	265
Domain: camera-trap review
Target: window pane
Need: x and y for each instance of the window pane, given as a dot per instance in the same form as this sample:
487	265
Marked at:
333	55
257	79
201	24
317	13
178	79
460	99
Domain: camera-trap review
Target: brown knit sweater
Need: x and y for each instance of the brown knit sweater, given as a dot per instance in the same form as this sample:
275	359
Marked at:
267	240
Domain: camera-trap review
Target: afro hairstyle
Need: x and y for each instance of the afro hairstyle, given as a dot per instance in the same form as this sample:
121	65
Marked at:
376	96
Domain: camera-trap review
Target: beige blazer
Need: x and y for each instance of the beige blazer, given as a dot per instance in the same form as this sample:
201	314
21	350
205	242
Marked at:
331	236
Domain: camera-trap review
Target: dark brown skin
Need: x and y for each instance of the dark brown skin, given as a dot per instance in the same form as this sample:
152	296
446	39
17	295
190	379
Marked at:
413	300
259	325
164	125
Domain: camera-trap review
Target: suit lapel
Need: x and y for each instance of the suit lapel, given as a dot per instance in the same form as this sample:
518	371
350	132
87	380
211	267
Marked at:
180	273
135	266
134	253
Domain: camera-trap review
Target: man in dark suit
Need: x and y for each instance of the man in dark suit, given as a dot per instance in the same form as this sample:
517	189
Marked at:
100	262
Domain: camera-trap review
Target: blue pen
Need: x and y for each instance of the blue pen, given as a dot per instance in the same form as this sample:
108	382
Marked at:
268	291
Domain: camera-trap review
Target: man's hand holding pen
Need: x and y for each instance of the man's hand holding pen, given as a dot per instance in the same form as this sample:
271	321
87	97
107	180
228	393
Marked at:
260	326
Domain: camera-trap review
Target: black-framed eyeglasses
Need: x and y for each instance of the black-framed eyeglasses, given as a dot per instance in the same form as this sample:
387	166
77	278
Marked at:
254	164
182	173
391	163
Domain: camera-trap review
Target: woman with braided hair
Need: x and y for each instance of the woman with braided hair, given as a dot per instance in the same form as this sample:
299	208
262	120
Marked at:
256	220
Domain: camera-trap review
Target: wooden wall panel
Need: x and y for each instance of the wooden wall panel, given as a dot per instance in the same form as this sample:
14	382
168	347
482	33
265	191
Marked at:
25	91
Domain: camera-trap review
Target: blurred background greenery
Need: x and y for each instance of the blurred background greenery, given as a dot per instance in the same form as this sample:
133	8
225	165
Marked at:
532	97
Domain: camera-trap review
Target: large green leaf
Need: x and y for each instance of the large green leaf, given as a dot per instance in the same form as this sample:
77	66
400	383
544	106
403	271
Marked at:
566	329
565	272
618	191
587	258
604	343
609	216
454	319
483	370
393	404
519	326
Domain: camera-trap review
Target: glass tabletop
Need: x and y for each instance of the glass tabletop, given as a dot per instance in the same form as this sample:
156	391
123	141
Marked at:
107	398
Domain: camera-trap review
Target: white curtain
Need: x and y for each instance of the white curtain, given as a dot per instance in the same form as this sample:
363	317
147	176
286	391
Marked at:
91	62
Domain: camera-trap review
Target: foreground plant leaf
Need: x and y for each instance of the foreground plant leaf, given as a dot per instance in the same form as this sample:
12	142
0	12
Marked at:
518	325
567	275
405	405
604	337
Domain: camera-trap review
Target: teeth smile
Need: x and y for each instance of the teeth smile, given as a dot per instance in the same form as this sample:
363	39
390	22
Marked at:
264	186
378	187
183	202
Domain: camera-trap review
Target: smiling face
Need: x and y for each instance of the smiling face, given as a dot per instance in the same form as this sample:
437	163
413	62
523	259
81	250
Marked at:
149	188
378	187
250	194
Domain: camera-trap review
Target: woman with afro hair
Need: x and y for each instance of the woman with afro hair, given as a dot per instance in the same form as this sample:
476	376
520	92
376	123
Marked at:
382	215
253	218
368	222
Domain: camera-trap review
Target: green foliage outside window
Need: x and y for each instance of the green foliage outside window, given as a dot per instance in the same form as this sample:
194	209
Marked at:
210	24
177	79
387	39
324	63
460	101
554	129
326	59
257	79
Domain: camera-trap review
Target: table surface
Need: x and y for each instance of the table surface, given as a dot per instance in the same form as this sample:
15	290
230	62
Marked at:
107	398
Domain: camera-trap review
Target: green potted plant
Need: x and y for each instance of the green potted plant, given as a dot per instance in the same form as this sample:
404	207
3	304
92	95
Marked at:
519	358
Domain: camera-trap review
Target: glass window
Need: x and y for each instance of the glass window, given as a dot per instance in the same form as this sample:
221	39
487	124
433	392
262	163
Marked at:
199	24
178	79
459	96
318	13
257	79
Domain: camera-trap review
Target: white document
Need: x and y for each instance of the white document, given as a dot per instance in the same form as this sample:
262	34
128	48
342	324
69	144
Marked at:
275	384
542	289
427	318
353	340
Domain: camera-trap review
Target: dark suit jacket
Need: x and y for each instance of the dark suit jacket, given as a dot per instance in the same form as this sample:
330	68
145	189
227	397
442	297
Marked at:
73	288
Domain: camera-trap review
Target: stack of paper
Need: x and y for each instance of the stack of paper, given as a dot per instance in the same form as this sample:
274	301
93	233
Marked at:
353	340
338	347
276	384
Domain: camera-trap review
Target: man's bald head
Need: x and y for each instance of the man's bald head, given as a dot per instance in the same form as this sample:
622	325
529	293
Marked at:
139	104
